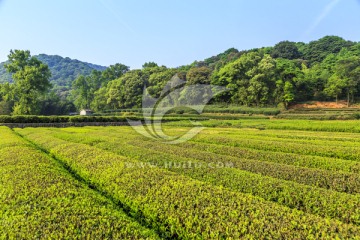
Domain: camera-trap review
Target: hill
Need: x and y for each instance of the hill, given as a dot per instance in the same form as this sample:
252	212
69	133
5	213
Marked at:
63	70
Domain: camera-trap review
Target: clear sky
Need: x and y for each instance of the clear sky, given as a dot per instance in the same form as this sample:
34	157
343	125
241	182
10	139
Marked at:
169	32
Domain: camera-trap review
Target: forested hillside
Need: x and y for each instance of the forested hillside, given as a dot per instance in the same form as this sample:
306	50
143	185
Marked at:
63	70
327	69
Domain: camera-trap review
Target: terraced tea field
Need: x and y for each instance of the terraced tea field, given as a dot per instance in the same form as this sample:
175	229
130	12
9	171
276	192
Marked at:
282	182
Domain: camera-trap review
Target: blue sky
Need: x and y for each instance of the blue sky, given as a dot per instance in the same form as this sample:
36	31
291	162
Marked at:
169	32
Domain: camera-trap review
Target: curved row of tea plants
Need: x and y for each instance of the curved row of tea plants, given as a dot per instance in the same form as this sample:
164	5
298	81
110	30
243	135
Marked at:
344	207
338	180
266	136
347	153
334	180
301	160
40	200
307	161
298	134
318	201
351	126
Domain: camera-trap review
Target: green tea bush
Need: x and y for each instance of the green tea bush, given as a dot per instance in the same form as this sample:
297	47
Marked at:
39	199
306	198
179	207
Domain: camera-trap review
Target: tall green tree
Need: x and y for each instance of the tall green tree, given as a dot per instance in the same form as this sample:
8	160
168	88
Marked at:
348	69
157	78
289	93
235	76
286	49
317	51
81	92
99	103
113	72
334	87
196	94
288	75
201	75
84	88
262	81
284	93
314	82
127	91
31	82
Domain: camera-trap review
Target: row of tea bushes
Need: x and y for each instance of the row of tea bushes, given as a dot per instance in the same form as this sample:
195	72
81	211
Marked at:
344	207
41	200
185	208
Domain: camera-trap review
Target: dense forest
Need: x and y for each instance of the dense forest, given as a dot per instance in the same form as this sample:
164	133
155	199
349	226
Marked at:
63	71
289	72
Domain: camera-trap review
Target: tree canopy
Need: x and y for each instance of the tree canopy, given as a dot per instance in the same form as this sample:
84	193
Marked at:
286	49
31	81
327	69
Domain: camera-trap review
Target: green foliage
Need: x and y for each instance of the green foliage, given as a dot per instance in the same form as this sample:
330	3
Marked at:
126	92
288	73
6	105
334	86
31	81
158	77
180	207
317	51
351	126
52	104
40	199
5	77
348	69
65	70
198	76
81	93
250	79
286	193
63	119
286	49
289	95
240	110
90	91
113	72
218	61
150	65
99	102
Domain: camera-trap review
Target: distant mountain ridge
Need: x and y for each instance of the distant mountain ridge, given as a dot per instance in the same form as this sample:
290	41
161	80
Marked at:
64	70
